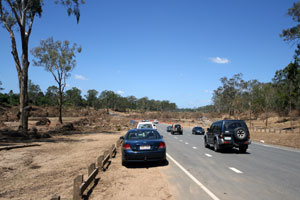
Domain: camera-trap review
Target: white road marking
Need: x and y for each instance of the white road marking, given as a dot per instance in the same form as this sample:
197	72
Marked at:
235	170
194	147
186	143
212	195
175	137
181	140
208	155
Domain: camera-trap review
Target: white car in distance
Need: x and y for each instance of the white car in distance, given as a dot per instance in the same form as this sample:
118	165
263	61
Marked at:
146	125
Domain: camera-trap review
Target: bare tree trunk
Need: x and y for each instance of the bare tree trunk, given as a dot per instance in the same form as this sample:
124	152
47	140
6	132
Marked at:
267	117
23	80
60	105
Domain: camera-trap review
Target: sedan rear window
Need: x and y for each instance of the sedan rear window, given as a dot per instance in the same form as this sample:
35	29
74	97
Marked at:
142	134
145	126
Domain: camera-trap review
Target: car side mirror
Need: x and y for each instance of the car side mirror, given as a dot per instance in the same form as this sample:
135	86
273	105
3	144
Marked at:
161	136
208	129
122	138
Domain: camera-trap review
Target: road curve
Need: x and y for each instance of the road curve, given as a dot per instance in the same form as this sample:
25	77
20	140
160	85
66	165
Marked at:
264	172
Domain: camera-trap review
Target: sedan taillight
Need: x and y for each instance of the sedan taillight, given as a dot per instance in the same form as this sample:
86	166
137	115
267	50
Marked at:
162	145
126	147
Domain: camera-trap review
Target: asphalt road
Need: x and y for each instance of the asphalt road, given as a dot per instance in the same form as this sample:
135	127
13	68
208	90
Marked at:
264	172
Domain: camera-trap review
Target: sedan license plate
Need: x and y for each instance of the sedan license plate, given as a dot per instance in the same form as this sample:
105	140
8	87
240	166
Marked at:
145	147
227	138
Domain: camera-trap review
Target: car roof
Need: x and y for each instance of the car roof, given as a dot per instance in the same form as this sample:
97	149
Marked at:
230	120
145	123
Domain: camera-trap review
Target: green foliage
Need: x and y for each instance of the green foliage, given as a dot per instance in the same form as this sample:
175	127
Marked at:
293	33
1	87
56	57
35	94
51	96
92	99
73	97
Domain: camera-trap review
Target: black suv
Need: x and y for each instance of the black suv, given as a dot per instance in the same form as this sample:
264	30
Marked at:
228	134
176	128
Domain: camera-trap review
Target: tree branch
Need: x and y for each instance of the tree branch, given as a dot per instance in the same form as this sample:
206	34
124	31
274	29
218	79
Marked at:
15	13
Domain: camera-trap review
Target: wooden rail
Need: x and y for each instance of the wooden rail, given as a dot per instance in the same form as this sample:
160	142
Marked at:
80	185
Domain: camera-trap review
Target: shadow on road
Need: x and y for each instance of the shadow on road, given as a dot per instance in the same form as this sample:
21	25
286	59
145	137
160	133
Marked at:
232	151
147	164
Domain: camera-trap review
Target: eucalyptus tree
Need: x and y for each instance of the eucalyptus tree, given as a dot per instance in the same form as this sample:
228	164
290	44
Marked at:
1	87
17	16
58	58
73	97
293	34
91	98
51	95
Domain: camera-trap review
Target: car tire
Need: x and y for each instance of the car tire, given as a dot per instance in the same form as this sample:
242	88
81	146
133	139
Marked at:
243	149
205	143
124	163
240	133
216	146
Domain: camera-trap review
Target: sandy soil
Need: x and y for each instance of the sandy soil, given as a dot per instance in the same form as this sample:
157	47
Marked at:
135	181
43	171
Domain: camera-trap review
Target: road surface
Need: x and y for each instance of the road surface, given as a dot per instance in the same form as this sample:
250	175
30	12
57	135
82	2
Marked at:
195	172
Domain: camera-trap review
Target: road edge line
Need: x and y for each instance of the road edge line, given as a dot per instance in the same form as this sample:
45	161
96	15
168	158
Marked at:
212	195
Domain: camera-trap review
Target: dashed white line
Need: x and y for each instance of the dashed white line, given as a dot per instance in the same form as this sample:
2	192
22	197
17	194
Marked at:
208	155
235	170
181	140
186	143
175	137
212	195
194	147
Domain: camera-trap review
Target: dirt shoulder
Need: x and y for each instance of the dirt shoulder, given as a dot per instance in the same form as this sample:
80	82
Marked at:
42	171
135	181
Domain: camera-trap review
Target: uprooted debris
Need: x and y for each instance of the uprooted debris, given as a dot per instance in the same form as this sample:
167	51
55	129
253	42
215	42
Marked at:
43	121
65	127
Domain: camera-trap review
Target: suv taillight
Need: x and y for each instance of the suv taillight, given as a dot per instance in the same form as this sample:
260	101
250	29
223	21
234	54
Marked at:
126	147
162	145
221	135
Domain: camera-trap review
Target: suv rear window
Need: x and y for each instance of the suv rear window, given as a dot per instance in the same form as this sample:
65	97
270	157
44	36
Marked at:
177	126
234	125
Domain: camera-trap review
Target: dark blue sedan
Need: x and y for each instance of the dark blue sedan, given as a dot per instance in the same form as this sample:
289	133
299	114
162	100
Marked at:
197	130
143	145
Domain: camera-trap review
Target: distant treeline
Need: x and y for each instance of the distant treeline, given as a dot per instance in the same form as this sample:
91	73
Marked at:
73	97
236	96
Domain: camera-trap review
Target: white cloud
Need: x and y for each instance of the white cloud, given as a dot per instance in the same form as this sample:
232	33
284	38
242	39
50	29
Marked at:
68	85
219	60
120	92
207	91
80	77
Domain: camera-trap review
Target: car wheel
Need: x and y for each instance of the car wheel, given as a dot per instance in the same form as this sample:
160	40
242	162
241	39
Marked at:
240	133
124	163
243	149
216	146
205	143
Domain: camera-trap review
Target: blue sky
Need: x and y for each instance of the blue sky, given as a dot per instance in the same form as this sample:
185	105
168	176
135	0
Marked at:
174	50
